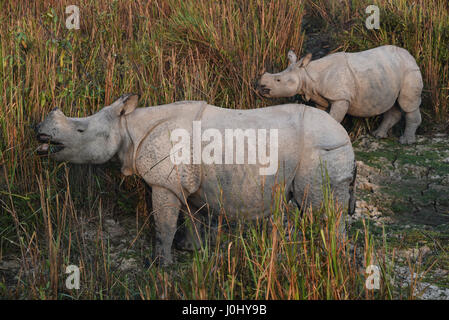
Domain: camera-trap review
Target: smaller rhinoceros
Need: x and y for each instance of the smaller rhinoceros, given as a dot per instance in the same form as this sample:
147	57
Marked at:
142	138
363	84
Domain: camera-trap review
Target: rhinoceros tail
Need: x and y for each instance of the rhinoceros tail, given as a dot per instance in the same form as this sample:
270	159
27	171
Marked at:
352	198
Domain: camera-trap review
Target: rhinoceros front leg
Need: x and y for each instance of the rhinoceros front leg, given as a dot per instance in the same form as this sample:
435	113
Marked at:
189	235
166	206
391	117
339	109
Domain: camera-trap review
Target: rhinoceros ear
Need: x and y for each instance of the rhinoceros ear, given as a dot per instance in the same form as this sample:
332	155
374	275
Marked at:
125	104
304	61
291	57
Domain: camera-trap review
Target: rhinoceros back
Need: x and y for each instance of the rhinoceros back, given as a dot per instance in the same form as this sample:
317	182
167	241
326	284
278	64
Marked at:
378	75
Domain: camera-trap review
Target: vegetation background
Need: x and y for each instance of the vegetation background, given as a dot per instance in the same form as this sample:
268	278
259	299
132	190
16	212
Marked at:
167	51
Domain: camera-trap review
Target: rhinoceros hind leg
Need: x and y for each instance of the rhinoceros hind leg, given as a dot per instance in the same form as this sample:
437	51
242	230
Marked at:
338	164
166	206
412	122
391	117
409	100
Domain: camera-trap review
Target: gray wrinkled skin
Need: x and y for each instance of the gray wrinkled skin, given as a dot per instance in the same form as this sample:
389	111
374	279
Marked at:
141	139
363	84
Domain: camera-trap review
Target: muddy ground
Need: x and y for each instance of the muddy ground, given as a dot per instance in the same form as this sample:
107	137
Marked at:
404	191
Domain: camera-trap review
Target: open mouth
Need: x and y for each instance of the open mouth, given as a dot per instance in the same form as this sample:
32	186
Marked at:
48	146
263	90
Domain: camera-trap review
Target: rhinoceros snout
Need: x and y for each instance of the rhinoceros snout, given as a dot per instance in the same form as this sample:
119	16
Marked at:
43	138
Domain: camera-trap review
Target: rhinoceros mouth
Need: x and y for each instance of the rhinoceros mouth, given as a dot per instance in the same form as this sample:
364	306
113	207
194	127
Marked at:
263	90
48	146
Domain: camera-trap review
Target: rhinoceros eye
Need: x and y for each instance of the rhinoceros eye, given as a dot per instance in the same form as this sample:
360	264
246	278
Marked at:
80	130
278	80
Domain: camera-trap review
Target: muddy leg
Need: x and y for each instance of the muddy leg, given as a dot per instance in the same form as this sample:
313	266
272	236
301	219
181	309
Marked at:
166	208
391	117
339	109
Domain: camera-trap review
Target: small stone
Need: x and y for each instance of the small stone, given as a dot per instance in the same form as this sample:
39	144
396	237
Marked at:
368	186
414	253
128	264
114	229
9	265
440	135
424	250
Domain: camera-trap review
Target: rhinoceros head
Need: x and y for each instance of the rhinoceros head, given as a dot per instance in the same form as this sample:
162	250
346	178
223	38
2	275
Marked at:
93	139
286	83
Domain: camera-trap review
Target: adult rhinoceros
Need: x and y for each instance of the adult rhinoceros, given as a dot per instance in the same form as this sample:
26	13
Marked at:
142	138
362	84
